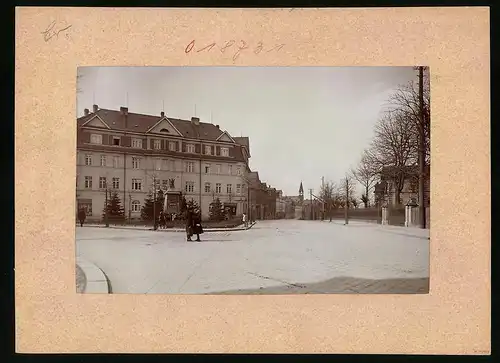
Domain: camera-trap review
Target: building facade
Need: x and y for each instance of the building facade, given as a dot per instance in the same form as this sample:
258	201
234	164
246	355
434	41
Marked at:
129	153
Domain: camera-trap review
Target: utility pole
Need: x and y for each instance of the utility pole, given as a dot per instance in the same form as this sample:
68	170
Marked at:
346	200
311	199
421	149
323	196
154	202
106	219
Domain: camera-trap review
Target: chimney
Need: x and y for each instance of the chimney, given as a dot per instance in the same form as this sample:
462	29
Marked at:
95	108
217	126
86	112
162	114
195	120
124	110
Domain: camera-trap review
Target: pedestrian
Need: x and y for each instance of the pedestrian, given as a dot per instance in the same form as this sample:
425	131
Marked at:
81	216
189	224
245	220
197	227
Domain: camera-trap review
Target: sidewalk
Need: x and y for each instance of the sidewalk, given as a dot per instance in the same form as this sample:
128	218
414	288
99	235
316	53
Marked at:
241	227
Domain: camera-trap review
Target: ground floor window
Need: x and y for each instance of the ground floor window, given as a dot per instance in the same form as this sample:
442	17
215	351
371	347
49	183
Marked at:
136	206
86	205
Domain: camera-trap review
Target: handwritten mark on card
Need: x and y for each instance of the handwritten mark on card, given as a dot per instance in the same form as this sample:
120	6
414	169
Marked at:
54	29
233	47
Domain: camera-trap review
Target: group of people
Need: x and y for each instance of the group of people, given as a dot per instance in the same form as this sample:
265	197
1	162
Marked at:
163	218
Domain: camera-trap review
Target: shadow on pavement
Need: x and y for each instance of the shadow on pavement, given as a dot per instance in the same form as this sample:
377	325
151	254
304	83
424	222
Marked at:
342	285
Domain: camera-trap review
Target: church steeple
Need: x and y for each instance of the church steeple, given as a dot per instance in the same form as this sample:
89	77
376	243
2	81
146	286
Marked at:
301	192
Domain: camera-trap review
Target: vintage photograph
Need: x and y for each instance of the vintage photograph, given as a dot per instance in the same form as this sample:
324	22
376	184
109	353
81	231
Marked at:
253	180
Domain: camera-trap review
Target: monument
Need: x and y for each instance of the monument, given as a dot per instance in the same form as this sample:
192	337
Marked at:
173	196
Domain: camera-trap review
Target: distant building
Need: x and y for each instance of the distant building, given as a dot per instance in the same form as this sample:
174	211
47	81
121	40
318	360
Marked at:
385	190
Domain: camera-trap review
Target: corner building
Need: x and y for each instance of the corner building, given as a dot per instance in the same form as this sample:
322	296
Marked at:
127	153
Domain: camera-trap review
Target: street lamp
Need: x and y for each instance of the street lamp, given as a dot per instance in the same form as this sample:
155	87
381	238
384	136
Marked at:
154	203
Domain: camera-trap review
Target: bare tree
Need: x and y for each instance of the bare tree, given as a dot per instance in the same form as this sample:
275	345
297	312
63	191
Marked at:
329	195
394	147
366	174
347	191
406	100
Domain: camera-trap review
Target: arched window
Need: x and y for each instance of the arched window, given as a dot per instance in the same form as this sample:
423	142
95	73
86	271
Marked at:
136	206
164	130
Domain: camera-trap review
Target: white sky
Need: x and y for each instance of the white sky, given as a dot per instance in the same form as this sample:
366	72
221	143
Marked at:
303	122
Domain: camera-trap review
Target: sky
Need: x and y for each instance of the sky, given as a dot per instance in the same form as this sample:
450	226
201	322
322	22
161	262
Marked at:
304	123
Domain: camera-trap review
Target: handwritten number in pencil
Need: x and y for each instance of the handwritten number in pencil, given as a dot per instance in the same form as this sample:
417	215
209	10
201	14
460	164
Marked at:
228	44
240	48
209	47
259	47
189	47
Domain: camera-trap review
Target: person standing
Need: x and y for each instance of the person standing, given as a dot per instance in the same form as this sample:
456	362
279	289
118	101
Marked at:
81	216
197	228
245	220
189	224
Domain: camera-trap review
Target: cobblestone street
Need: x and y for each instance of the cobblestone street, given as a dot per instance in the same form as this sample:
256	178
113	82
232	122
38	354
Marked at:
274	257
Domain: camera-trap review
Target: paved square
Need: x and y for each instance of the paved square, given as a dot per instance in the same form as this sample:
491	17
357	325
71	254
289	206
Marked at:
274	257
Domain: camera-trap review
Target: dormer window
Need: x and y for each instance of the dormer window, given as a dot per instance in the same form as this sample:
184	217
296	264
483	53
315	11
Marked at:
224	151
190	148
208	150
165	130
137	143
95	139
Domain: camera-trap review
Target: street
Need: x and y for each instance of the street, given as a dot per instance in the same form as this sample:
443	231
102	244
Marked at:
283	256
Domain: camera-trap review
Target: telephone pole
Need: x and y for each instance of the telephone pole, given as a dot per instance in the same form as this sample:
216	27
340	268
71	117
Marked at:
421	149
346	200
323	196
311	199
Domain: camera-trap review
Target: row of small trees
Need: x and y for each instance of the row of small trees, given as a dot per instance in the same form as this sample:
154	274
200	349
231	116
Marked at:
150	210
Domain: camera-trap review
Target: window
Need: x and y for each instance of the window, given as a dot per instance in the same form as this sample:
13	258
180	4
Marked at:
116	183
164	130
157	164
224	151
189	167
189	187
172	145
88	159
88	182
136	163
218	188
243	188
116	161
157	144
218	168
207	169
229	188
208	187
238	188
102	182
208	150
165	164
136	206
95	139
164	184
136	184
116	140
86	204
230	170
190	148
238	170
137	143
103	160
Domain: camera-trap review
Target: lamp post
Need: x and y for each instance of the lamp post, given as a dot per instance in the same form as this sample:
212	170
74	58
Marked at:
106	219
154	203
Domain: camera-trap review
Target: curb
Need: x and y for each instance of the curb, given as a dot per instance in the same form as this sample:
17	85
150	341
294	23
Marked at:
176	230
96	281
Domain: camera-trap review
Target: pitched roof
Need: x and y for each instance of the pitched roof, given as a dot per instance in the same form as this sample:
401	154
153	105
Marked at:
141	123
